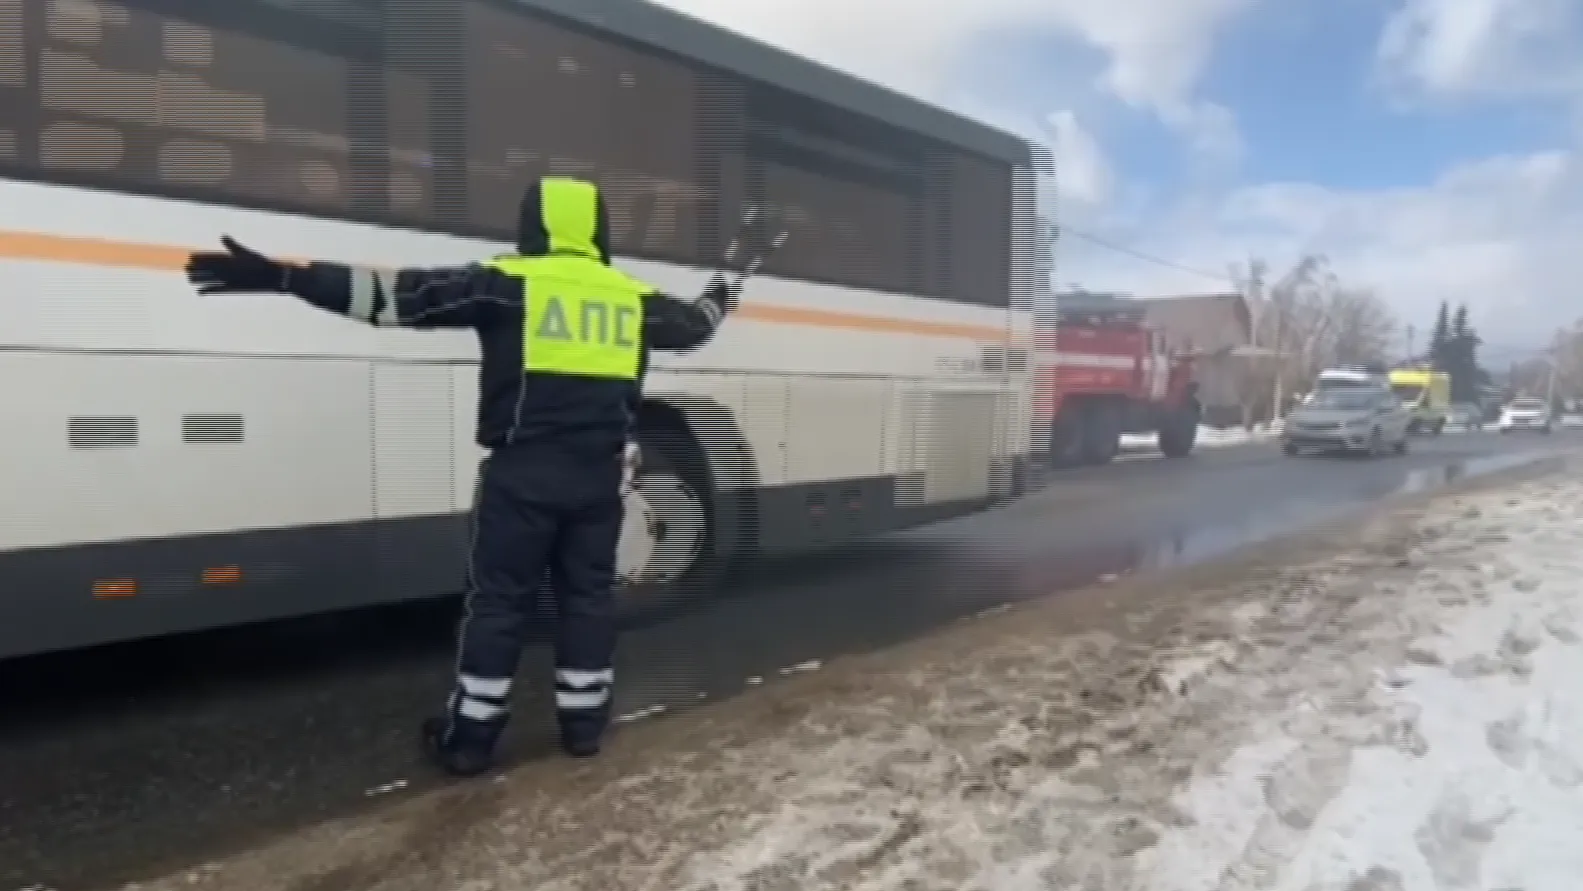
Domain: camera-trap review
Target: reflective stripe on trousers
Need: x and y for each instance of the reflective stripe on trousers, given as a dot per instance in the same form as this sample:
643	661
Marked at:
481	699
581	690
458	704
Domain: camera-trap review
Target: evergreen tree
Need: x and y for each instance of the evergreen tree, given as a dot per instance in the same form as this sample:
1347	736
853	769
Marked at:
1440	337
1461	354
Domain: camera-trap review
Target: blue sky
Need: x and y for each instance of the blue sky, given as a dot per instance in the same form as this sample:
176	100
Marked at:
1430	149
1296	79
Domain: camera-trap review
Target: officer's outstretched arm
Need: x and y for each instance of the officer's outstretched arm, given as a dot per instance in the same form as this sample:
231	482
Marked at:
676	325
415	297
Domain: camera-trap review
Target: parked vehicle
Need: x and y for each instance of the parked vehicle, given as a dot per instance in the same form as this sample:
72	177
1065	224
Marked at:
1466	416
1525	415
1101	371
1360	420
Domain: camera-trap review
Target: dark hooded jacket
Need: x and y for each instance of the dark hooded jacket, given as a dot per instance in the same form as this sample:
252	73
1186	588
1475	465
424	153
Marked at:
583	417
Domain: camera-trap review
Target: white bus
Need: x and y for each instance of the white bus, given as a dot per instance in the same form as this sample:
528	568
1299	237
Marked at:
174	463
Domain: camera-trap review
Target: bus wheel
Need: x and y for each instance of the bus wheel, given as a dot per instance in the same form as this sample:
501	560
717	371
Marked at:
668	548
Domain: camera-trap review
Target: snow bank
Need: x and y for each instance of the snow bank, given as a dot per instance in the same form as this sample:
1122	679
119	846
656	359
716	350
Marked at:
1445	753
1402	716
1208	437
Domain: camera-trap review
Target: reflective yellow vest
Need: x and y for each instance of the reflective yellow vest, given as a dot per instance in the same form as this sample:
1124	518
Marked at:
579	317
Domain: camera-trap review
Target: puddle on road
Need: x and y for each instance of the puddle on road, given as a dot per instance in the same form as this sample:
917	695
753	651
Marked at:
901	588
1196	545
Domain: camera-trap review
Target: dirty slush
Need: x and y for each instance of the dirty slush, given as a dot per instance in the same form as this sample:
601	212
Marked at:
1163	733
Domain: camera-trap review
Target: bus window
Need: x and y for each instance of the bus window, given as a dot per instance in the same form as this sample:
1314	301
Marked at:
544	99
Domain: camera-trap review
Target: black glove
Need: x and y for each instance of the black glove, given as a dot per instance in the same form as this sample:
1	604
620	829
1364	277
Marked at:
236	269
722	293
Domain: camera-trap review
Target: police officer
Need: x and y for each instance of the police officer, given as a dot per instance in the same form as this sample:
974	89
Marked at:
564	340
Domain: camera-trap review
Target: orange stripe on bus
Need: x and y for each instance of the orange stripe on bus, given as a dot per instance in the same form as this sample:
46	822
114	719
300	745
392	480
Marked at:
90	251
166	258
819	318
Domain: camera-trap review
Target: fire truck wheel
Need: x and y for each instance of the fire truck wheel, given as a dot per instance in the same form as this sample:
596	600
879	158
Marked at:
1101	434
1066	439
1178	437
1179	432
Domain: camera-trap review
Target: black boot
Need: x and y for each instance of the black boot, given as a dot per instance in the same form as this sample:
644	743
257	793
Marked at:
582	730
466	750
580	747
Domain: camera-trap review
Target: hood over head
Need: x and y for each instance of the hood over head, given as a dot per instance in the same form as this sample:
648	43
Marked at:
562	215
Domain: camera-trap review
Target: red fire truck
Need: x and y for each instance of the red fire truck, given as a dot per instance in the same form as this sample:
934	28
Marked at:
1101	371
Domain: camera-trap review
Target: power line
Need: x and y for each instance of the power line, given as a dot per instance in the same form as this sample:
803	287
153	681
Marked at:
1140	255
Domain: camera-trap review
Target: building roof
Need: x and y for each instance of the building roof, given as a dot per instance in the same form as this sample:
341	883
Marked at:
1201	323
665	29
1079	301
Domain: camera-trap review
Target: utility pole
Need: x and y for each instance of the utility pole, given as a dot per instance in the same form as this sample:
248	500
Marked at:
1280	367
1258	306
1411	331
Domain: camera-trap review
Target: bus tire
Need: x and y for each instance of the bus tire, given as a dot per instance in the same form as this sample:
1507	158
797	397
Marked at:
670	545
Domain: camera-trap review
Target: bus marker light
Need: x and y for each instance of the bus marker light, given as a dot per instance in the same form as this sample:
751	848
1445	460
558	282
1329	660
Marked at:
222	575
114	589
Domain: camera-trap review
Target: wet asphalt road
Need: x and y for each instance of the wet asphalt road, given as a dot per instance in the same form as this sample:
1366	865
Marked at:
135	760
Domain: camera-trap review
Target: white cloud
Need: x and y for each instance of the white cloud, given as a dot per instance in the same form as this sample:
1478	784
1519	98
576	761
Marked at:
1210	128
1083	175
1502	235
1155	50
1486	48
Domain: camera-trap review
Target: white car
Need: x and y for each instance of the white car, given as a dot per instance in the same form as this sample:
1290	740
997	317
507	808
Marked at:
1359	420
1526	414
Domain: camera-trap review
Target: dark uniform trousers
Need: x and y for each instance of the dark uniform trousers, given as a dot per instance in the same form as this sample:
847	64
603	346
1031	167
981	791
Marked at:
539	509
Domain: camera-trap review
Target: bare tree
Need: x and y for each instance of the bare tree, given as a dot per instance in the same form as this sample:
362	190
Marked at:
1360	327
1530	377
1306	321
1254	373
1566	350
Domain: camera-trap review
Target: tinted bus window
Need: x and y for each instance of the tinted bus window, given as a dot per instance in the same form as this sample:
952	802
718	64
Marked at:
255	102
436	115
544	99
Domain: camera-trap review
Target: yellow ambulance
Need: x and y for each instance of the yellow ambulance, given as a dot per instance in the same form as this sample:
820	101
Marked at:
1427	394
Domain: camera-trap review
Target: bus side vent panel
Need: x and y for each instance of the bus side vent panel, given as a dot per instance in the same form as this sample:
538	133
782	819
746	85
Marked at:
961	440
211	428
913	448
100	432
